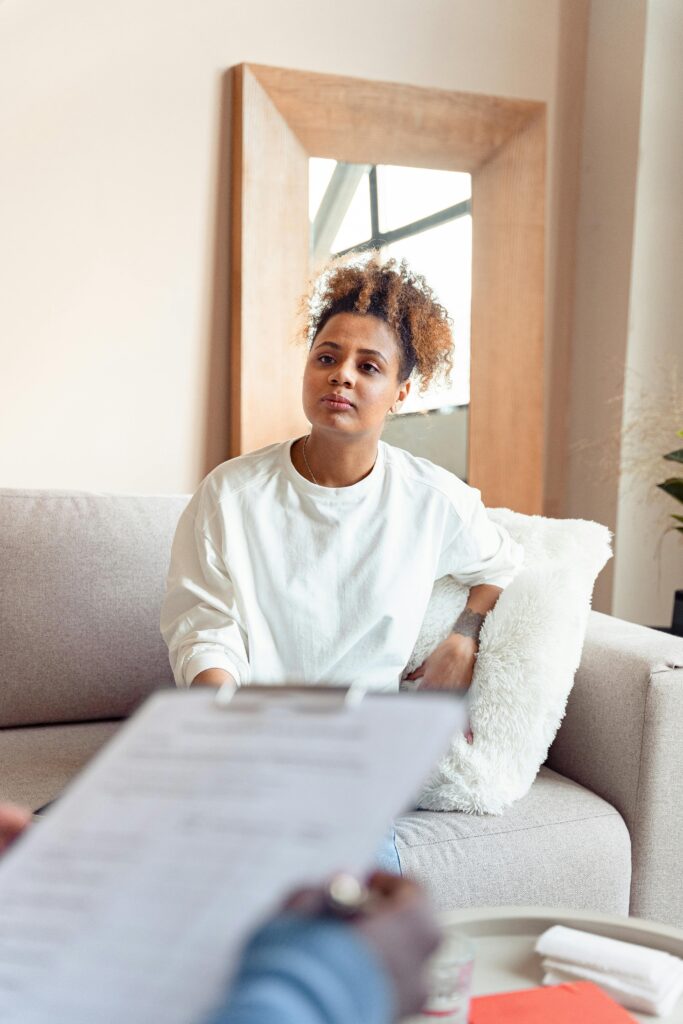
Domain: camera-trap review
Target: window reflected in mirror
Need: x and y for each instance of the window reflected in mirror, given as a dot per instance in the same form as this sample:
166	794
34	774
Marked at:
423	216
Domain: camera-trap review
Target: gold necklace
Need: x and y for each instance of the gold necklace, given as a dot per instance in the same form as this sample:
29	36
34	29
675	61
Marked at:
312	474
303	452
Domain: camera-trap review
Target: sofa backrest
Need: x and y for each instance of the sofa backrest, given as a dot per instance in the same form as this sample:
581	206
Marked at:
82	578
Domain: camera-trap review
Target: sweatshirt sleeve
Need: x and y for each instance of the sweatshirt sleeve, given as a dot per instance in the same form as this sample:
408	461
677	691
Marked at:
479	550
298	970
200	621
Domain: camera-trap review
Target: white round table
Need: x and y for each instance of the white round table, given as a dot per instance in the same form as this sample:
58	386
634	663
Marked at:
504	939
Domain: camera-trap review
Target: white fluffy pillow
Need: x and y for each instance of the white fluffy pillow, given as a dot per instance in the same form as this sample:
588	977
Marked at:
529	650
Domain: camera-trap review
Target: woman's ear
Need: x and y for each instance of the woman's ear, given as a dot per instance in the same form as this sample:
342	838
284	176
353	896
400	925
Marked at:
403	393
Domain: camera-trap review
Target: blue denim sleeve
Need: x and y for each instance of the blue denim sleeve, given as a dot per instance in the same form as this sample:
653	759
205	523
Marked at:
298	970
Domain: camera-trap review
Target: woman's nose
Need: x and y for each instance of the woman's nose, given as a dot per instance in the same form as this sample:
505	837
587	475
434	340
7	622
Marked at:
340	374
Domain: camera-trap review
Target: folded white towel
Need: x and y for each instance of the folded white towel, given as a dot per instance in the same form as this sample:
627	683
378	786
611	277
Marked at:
630	996
625	984
639	978
638	963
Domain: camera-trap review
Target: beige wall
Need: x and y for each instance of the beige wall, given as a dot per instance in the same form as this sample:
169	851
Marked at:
649	563
626	341
113	228
604	241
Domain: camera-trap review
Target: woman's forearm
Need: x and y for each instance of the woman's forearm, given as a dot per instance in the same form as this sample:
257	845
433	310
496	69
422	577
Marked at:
480	601
483	598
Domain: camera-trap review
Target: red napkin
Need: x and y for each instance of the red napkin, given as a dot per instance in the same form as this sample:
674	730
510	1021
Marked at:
562	1004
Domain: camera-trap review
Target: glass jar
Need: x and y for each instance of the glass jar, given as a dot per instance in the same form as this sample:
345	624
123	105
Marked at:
450	981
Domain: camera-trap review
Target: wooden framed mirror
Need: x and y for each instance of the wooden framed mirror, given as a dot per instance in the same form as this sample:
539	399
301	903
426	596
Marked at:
280	119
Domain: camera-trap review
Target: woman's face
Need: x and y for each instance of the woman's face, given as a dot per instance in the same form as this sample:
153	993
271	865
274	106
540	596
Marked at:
352	375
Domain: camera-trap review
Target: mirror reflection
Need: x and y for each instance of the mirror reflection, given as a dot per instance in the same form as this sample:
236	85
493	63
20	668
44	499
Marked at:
423	216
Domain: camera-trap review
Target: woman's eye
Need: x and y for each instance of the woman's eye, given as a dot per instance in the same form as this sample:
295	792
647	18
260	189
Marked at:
322	359
369	368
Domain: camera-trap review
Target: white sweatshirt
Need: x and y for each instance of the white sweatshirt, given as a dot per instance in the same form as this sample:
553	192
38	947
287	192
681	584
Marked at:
277	579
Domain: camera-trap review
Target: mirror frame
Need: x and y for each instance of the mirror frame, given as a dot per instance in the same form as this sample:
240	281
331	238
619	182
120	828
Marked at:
280	118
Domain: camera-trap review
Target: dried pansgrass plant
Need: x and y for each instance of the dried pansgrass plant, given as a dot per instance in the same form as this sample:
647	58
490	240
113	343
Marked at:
649	414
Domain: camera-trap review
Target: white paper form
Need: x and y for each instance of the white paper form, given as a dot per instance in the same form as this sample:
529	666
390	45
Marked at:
128	903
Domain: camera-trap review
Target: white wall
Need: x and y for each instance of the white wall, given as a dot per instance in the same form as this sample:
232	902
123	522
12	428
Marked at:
604	242
649	563
110	127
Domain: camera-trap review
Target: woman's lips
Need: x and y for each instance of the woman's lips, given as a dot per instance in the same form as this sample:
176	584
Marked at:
336	402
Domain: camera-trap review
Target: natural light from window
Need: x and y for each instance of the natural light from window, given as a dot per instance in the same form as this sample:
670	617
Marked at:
351	204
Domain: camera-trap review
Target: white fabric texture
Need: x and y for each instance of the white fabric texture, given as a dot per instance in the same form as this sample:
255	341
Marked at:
279	580
530	648
642	979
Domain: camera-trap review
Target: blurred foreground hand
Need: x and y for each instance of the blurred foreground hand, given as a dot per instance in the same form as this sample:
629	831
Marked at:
396	921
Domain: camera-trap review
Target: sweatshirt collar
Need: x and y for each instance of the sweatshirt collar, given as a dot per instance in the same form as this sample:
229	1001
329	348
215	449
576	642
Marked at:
336	495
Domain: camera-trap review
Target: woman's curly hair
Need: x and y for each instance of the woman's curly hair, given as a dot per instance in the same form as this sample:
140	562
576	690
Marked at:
391	291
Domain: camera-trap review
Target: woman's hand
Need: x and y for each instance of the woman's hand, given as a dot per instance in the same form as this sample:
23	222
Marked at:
450	666
213	677
13	821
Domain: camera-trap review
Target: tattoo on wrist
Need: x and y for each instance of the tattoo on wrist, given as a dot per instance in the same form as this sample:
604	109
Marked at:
469	623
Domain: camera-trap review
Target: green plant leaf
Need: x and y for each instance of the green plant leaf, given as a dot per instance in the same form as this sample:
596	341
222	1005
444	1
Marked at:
674	487
676	456
679	518
680	433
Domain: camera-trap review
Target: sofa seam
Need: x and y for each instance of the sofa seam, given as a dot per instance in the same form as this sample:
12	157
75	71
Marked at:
524	828
636	803
642	744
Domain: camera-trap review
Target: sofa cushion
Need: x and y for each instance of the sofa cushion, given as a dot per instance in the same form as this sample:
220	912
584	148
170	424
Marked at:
36	762
82	583
560	845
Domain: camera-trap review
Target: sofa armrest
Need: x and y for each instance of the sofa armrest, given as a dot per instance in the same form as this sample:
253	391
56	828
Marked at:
621	738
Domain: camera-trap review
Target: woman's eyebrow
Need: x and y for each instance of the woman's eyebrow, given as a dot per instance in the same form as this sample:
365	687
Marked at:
363	351
373	352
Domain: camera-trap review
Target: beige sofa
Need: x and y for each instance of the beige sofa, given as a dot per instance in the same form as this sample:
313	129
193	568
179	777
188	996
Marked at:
81	582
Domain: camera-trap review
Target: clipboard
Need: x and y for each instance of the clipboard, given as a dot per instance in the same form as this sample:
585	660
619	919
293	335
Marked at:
298	698
130	900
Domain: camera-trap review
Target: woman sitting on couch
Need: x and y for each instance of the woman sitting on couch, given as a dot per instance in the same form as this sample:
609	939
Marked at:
313	560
